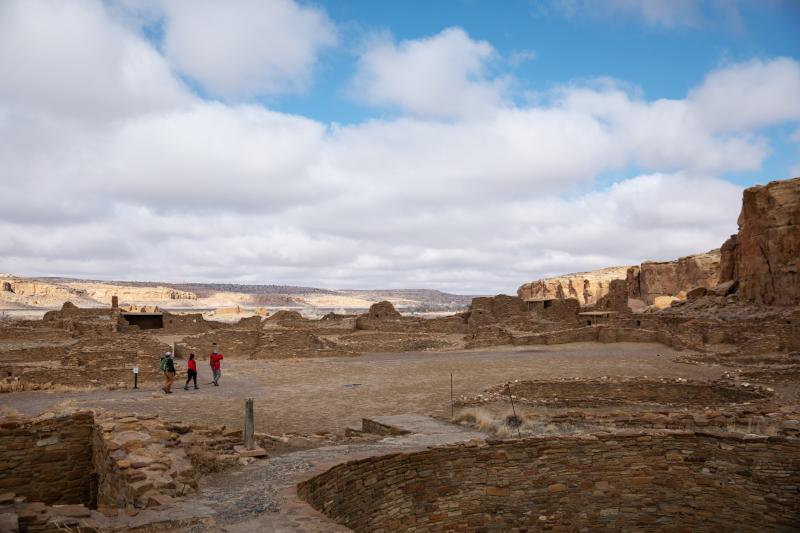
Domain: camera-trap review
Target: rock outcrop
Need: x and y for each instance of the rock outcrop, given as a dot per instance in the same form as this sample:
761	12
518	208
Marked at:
586	287
764	257
652	282
675	278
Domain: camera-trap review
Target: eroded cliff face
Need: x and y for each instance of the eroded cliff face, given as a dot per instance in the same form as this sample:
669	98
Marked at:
676	278
586	287
655	283
102	292
764	257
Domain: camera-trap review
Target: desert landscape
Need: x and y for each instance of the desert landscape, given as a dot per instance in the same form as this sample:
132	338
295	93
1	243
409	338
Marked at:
673	384
317	266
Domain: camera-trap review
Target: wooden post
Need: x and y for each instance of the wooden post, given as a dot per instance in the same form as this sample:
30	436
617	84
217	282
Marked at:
517	421
249	424
451	395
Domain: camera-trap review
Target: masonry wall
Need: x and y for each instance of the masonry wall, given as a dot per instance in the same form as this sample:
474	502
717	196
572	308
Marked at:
48	460
666	481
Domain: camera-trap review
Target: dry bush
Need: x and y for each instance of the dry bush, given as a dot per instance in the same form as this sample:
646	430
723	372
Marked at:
476	417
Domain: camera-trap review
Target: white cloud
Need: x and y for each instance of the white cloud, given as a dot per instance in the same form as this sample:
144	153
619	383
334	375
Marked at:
244	48
440	76
70	59
749	95
169	186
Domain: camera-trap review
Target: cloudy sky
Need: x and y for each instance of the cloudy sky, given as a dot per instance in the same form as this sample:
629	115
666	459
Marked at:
464	145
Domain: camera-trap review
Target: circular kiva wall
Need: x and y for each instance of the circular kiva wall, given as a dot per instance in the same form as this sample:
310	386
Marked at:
656	481
594	393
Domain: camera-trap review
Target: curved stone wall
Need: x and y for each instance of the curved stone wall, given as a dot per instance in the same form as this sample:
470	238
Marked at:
666	481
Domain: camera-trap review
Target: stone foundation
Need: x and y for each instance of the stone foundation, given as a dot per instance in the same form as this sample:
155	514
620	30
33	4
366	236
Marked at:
656	480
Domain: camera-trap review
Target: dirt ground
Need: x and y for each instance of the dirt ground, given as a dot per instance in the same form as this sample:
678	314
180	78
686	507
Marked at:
329	394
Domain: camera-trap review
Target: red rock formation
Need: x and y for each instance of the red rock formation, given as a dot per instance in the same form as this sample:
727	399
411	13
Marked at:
764	257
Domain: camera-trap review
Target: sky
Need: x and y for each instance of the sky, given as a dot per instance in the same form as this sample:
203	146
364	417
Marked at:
465	145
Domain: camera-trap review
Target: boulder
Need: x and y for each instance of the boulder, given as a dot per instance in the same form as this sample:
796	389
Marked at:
725	288
696	293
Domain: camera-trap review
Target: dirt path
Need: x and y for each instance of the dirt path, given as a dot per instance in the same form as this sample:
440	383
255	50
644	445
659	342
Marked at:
329	394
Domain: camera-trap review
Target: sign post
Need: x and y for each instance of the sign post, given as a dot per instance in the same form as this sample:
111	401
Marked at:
136	377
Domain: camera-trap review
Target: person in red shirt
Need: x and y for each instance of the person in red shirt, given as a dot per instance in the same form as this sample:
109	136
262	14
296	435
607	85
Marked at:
191	365
216	366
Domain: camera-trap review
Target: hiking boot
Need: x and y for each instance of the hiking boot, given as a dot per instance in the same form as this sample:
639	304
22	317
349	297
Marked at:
186	387
216	384
196	387
169	392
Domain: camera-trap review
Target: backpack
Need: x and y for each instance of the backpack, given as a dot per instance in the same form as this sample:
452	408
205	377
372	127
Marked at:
164	365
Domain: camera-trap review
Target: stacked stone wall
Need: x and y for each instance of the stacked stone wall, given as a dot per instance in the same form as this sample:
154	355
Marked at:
654	480
48	460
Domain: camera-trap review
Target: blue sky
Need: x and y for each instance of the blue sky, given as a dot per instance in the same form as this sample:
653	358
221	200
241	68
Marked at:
663	60
468	146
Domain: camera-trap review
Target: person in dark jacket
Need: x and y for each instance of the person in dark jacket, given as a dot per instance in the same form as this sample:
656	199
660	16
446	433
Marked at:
169	373
191	372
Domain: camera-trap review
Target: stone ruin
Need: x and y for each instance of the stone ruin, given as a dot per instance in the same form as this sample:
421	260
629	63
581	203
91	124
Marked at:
642	480
98	471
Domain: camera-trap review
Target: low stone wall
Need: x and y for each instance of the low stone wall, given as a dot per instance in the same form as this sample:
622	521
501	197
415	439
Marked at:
48	460
593	393
655	480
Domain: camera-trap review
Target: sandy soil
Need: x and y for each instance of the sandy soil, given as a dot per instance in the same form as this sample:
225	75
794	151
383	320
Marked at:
309	395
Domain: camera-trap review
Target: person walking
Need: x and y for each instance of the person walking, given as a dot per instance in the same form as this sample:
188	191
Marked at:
191	372
216	366
168	366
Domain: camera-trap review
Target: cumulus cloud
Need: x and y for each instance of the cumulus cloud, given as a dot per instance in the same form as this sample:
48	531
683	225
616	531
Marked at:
108	180
71	59
441	76
244	48
750	94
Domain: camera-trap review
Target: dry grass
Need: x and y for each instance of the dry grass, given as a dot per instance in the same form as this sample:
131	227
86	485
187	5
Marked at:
17	385
507	425
476	417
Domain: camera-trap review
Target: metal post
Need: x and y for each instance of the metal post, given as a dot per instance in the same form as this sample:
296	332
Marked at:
249	424
517	421
136	377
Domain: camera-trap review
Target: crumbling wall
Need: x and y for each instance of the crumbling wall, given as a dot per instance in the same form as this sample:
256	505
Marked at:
383	310
490	309
48	460
187	323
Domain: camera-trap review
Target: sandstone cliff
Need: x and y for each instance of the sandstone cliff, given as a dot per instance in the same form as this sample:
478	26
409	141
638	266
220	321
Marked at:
653	282
675	278
764	257
102	292
586	287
